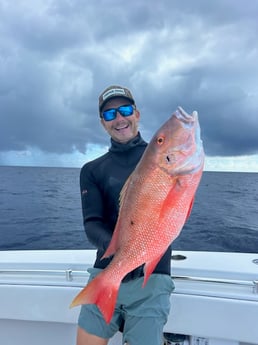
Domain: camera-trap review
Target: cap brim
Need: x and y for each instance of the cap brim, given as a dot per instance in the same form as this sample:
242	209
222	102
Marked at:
117	96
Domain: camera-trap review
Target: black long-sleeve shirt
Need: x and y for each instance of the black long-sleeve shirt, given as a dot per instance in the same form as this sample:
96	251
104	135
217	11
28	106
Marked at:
101	181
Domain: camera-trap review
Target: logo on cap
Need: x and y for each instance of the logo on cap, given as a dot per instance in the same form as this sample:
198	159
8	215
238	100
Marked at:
119	92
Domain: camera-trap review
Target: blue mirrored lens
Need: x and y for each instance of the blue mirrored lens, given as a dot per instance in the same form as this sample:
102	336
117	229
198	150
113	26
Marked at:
109	115
124	110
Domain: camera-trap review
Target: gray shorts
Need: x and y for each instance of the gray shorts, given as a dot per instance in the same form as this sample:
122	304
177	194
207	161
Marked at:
143	312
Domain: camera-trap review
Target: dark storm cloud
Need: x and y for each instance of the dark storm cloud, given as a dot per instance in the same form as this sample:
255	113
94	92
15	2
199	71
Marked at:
57	56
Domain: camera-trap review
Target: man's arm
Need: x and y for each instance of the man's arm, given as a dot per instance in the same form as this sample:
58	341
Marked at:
97	230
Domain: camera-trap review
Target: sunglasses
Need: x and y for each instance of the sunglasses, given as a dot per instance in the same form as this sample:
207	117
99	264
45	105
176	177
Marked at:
124	110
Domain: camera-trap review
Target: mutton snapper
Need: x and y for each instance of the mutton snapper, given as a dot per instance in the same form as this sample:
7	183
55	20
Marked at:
155	202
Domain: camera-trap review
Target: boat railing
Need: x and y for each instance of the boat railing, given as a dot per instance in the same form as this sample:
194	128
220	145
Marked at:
19	276
68	274
244	283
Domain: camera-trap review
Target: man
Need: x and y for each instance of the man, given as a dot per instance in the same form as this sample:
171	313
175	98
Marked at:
140	312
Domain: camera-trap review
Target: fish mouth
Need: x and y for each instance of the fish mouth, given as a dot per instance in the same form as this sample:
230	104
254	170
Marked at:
184	117
193	157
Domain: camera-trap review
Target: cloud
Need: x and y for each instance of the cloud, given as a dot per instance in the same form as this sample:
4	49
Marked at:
57	56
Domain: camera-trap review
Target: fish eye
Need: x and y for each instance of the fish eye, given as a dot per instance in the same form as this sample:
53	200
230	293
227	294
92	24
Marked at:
160	140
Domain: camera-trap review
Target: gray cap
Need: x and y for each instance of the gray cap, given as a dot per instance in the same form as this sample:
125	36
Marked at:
112	92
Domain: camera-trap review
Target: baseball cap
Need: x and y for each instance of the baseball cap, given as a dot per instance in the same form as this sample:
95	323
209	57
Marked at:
112	92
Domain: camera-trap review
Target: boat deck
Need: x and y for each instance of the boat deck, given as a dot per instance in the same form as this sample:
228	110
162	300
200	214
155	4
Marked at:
215	301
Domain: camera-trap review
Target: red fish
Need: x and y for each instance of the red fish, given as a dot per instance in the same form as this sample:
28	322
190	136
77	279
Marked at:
155	202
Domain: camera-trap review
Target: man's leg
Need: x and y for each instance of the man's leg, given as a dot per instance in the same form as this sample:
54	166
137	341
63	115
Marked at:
144	330
92	328
85	338
145	310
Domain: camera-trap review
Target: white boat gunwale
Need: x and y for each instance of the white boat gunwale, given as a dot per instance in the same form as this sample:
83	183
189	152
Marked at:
223	286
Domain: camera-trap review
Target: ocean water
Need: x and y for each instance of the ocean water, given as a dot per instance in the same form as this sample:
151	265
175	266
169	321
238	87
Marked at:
40	208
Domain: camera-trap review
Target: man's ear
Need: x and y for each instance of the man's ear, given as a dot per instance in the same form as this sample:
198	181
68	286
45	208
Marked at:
137	114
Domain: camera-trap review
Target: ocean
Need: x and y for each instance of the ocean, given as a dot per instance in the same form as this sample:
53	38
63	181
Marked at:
40	208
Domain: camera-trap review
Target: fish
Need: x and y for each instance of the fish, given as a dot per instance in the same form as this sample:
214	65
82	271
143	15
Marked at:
155	203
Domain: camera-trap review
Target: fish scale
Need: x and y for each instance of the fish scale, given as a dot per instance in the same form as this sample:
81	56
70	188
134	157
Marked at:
155	202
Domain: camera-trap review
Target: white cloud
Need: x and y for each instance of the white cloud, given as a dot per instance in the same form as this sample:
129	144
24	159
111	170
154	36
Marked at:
36	157
55	59
241	164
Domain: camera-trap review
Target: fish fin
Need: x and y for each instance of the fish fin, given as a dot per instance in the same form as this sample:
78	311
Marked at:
190	209
172	196
113	245
124	191
111	249
149	268
171	199
101	293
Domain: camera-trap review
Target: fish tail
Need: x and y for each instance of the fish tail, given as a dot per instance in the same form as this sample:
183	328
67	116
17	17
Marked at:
101	292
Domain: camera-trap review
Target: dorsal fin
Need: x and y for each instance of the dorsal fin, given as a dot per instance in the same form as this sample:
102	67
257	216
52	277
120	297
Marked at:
124	191
113	245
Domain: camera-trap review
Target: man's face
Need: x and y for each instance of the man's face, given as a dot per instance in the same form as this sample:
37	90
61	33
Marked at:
121	129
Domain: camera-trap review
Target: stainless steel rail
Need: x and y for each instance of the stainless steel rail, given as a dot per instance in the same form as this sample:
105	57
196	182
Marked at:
250	283
70	274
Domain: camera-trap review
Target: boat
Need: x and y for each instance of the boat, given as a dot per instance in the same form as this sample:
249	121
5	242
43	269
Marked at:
215	300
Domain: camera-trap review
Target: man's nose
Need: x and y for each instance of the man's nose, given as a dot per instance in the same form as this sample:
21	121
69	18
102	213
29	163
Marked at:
119	116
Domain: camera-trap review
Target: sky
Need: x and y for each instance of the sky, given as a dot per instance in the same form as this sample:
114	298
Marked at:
56	57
